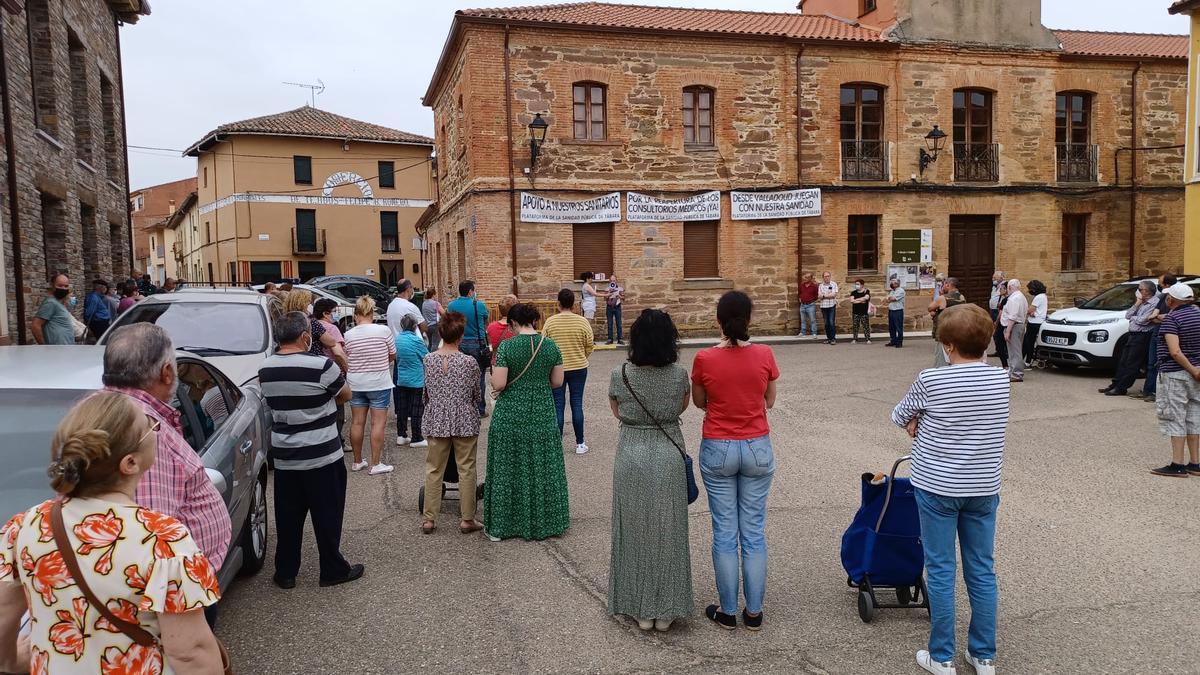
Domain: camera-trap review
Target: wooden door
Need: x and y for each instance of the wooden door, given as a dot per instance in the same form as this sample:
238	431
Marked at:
973	256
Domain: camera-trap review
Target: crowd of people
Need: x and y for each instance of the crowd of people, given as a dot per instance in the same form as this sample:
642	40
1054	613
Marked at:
55	322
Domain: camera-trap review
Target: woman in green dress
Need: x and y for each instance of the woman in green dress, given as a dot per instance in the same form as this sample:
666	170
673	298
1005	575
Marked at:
650	570
525	494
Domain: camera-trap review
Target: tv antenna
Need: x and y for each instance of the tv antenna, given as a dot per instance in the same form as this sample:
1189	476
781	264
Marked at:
314	89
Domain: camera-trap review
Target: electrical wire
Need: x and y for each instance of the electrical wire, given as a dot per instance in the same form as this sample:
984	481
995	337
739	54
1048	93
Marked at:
346	155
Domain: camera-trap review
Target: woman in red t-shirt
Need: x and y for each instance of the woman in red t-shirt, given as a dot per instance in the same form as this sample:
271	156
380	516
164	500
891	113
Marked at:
734	383
498	331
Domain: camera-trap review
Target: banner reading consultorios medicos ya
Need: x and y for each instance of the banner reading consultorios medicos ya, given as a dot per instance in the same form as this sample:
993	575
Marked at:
785	204
640	208
603	209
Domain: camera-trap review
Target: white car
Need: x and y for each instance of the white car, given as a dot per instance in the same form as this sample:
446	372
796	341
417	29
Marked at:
1092	334
343	313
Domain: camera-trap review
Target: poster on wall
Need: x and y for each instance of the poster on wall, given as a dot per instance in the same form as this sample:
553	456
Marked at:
640	208
906	246
927	274
926	246
784	204
602	209
907	274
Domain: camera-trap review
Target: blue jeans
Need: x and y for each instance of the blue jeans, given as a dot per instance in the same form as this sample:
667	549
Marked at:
379	400
471	348
830	316
896	326
808	319
614	317
973	520
737	477
1151	384
574	379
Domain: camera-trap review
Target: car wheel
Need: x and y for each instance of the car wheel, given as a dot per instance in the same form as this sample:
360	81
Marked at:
254	536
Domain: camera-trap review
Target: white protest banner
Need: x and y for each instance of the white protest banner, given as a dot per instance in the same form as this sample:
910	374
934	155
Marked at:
784	204
640	208
538	209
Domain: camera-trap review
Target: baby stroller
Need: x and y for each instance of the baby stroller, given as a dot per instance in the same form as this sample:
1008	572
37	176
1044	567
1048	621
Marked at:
449	479
882	546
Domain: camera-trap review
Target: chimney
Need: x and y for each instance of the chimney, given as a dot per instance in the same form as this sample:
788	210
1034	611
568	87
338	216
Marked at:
171	207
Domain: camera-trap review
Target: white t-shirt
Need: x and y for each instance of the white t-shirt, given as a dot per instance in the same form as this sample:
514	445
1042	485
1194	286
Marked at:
397	310
368	351
1039	308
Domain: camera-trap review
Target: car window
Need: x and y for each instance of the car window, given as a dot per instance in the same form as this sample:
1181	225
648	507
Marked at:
1117	298
183	405
222	327
201	385
28	419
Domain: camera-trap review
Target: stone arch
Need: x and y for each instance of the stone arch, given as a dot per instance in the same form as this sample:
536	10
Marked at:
344	178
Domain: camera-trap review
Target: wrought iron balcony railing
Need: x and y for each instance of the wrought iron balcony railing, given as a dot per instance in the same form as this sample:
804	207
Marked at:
976	162
864	160
1077	162
310	242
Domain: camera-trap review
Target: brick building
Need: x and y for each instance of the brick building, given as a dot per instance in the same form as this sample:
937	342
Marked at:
150	209
1036	177
63	204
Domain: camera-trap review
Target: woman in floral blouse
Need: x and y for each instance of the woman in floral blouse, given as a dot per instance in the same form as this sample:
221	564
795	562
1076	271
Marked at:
451	423
142	564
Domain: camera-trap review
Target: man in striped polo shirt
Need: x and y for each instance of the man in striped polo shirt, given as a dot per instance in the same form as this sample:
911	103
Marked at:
957	416
1179	381
304	392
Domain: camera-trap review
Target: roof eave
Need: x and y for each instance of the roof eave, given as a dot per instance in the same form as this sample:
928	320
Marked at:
215	137
1184	7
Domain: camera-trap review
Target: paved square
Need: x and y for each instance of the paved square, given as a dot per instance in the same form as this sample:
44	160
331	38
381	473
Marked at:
1097	559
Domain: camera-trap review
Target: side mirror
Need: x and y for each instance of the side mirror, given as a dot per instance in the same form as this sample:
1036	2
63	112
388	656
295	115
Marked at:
1080	302
217	480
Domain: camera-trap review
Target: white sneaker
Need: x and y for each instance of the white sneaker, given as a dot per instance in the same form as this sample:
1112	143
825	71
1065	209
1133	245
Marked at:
982	666
926	661
663	625
358	466
419	444
402	440
581	449
380	468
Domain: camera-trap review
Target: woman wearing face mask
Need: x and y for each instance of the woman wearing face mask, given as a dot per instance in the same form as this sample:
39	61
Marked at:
1137	340
860	303
301	300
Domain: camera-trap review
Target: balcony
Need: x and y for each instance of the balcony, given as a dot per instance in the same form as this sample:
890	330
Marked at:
308	242
1077	162
976	162
864	160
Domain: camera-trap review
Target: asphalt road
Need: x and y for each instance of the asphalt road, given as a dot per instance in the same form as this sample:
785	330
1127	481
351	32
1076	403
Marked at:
1098	560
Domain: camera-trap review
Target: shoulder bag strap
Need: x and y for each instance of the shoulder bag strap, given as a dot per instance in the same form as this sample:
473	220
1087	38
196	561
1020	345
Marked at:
658	424
530	363
475	312
59	529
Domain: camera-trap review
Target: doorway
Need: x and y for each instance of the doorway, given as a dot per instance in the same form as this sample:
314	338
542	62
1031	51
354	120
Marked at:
973	256
391	272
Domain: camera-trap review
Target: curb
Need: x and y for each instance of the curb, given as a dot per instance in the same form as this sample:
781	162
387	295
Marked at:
766	340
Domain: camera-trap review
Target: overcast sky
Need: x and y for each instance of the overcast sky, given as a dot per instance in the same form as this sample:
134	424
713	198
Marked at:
192	65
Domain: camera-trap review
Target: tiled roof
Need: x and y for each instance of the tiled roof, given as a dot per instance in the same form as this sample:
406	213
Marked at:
1144	45
310	122
605	15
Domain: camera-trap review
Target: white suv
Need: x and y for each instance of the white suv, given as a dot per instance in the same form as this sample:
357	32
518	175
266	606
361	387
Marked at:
1092	334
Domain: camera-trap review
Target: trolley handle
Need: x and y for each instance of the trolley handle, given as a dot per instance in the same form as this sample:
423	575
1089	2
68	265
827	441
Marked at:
888	499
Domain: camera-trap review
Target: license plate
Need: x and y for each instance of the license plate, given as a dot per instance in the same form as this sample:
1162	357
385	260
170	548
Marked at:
1057	341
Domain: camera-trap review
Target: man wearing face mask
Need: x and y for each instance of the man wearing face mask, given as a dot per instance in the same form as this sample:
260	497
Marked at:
1141	325
52	325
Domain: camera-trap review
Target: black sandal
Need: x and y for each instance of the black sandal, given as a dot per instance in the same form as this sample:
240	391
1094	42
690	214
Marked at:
726	621
752	622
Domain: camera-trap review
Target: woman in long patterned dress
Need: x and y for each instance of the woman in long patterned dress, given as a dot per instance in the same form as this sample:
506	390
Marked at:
144	566
525	494
650	570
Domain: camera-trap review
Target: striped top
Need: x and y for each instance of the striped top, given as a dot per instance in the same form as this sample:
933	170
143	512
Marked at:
962	414
300	389
573	335
369	352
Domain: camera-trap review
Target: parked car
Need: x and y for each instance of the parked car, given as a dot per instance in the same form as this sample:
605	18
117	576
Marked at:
1092	334
343	314
229	326
228	426
350	287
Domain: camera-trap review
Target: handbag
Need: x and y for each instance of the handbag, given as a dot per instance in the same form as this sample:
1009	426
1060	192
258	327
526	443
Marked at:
132	631
510	383
693	491
484	357
78	328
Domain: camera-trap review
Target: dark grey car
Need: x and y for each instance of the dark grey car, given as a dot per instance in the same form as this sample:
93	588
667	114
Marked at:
227	425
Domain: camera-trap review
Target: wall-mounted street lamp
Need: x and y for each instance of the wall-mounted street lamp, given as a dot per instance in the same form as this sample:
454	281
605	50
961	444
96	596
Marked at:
934	141
537	137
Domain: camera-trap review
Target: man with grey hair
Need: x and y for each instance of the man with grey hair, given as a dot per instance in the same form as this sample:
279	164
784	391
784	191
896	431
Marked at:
995	302
1012	319
304	391
139	361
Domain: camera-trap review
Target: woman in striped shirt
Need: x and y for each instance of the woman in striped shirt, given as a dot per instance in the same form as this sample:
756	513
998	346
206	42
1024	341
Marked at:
370	353
957	418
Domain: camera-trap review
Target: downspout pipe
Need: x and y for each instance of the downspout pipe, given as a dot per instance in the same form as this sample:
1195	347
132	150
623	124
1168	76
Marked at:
512	178
124	136
13	202
799	171
1133	161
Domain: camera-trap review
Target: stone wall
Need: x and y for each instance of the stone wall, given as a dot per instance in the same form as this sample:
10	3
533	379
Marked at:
70	174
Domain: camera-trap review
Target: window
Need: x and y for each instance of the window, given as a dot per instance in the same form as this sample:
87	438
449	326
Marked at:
302	168
973	116
1074	240
416	268
387	174
862	244
462	255
698	116
138	203
700	250
41	62
200	387
861	119
207	232
310	269
592	244
108	116
868	6
232	272
210	273
306	230
206	176
80	103
1072	118
389	231
264	271
588	111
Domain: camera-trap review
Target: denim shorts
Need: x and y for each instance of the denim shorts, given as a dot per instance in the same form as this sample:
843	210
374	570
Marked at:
377	400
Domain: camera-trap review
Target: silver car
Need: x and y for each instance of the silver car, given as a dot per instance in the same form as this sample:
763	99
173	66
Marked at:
227	425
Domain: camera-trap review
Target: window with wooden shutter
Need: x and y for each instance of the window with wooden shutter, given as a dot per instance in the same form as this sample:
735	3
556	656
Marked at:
862	245
700	250
1074	240
698	116
389	232
306	230
387	174
592	244
588	111
462	256
302	169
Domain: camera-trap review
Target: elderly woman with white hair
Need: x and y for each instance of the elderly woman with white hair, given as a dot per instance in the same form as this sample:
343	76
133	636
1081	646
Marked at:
1013	318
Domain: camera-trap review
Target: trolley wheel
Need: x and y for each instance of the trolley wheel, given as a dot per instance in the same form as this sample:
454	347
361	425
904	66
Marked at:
904	595
924	597
866	606
421	500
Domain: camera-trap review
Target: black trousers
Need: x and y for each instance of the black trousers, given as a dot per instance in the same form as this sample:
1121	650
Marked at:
410	405
1133	357
321	493
998	339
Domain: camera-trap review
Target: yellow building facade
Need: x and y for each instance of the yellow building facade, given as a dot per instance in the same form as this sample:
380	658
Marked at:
302	194
1191	234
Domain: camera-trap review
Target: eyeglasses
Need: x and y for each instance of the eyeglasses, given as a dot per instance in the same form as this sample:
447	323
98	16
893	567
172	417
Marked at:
155	425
